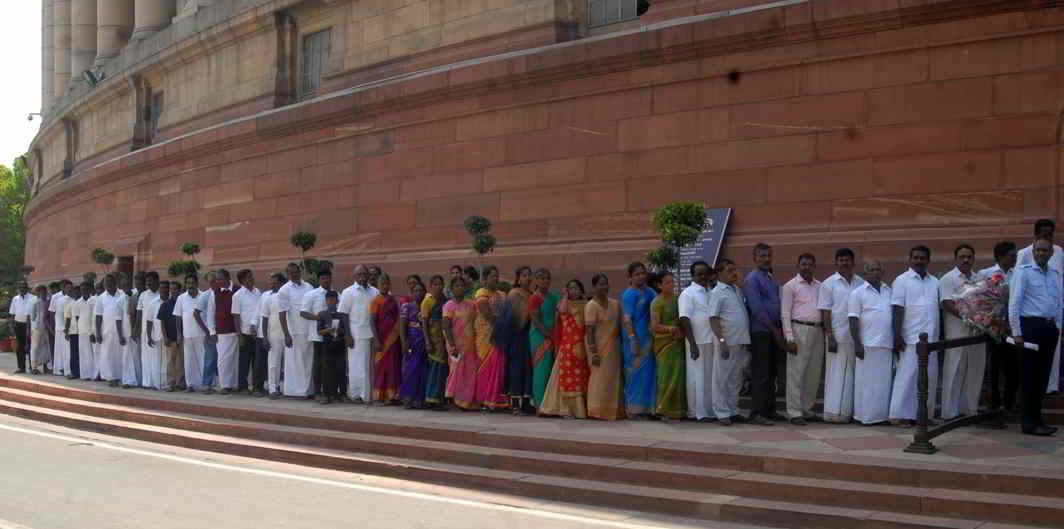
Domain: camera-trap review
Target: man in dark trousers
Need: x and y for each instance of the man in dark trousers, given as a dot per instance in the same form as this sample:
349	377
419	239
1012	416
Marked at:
762	293
332	327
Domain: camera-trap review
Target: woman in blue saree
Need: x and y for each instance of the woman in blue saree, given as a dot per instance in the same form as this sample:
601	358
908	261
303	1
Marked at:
639	375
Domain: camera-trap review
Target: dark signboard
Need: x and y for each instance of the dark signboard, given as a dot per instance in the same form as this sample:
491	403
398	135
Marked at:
708	246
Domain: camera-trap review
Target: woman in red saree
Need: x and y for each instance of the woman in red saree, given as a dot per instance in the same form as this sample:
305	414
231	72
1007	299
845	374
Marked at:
567	389
388	350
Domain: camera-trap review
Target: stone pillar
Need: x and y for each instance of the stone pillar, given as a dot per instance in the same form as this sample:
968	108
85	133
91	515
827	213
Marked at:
82	37
150	16
47	57
61	37
114	23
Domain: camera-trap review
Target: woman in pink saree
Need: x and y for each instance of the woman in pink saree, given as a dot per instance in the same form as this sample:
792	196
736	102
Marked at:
492	367
458	317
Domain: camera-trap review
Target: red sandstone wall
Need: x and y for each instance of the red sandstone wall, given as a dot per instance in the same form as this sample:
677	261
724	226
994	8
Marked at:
851	123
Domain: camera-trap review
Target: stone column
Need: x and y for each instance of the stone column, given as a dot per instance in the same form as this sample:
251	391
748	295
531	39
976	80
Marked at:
47	57
61	37
114	23
82	37
150	16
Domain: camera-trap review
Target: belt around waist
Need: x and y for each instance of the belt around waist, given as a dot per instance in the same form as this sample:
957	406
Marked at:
1043	319
809	323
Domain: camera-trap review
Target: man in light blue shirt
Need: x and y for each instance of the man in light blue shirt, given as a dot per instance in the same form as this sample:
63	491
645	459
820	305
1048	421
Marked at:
1035	307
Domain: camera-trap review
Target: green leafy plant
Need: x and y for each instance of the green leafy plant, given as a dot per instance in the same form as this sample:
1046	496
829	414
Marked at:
477	225
103	258
304	241
678	224
313	267
180	269
479	229
190	249
89	277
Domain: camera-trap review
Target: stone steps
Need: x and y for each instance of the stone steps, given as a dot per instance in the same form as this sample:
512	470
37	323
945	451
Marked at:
731	483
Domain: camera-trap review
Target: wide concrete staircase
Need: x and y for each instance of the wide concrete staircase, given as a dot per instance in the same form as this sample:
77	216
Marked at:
729	483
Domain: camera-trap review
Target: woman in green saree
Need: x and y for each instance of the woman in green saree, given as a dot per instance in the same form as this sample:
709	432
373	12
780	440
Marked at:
542	309
671	402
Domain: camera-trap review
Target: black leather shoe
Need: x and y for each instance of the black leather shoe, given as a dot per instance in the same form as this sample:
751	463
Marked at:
1040	430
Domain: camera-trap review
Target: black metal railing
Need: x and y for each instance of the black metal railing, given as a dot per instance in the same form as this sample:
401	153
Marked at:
922	437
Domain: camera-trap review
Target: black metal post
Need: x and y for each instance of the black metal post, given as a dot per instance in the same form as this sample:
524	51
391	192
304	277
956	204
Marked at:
921	440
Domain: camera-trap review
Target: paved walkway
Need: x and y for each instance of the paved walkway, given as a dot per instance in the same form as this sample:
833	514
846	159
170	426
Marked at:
970	445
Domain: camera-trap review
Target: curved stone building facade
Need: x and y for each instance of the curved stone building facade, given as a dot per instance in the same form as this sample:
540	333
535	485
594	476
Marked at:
380	125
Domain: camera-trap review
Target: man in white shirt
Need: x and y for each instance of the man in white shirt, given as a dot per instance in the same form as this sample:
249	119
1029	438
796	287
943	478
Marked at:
82	314
840	373
1046	228
730	322
245	319
226	332
130	360
56	311
40	349
312	305
354	305
150	353
94	374
70	329
962	367
192	332
694	319
153	369
272	337
110	331
804	334
914	298
870	319
19	310
298	355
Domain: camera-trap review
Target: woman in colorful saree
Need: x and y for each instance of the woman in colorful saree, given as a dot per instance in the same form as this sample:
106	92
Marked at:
387	359
412	389
602	321
436	368
670	363
567	389
638	344
542	307
511	336
492	366
458	329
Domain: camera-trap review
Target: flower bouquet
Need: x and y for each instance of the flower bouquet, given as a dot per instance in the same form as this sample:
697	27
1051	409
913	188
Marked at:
982	305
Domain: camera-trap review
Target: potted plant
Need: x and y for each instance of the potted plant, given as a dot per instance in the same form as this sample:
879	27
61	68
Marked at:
483	242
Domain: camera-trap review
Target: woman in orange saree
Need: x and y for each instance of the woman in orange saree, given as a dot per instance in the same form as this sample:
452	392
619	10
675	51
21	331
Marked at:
387	359
458	330
602	318
567	389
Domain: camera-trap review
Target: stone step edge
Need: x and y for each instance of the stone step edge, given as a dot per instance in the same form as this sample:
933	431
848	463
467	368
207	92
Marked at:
568	490
938	502
887	471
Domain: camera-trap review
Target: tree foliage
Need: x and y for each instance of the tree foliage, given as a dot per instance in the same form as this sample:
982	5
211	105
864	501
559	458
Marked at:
679	224
478	228
14	195
190	249
103	258
180	269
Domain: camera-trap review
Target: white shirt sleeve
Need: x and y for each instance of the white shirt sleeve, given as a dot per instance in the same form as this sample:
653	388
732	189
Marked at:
345	302
897	295
178	312
854	305
685	305
234	307
825	301
284	301
307	305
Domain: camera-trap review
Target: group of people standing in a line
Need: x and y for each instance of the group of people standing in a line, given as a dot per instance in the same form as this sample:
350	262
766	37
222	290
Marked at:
657	352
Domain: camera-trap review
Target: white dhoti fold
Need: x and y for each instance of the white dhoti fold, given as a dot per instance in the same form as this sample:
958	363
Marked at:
228	374
151	364
109	358
838	384
962	380
61	362
872	386
40	349
131	364
700	382
86	356
803	370
728	380
903	394
195	354
274	361
298	367
360	371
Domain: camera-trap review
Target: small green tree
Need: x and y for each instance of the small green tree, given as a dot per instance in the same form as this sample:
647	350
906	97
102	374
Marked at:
679	224
180	269
483	241
89	277
103	258
304	241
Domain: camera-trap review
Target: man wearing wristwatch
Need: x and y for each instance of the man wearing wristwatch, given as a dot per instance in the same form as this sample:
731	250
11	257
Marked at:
731	327
840	365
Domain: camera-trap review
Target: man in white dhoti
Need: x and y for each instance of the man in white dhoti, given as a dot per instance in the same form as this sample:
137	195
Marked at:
228	338
298	355
870	315
56	311
694	319
97	291
1046	228
83	316
272	335
154	365
74	307
731	326
354	304
130	361
110	330
962	367
189	314
914	298
40	347
804	333
312	305
149	349
840	374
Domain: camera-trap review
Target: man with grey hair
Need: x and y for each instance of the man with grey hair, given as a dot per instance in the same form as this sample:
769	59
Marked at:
354	306
870	320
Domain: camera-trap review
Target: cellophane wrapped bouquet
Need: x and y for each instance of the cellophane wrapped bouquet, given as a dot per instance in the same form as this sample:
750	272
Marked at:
982	305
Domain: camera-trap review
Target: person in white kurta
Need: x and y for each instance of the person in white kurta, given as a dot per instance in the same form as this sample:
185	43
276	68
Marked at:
354	303
869	313
150	353
298	355
914	298
96	345
86	345
312	305
56	307
131	352
1026	257
40	347
731	325
840	373
694	319
962	367
190	312
110	331
272	335
153	367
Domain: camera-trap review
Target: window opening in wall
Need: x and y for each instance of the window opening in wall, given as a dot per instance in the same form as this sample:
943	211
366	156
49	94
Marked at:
603	12
316	49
